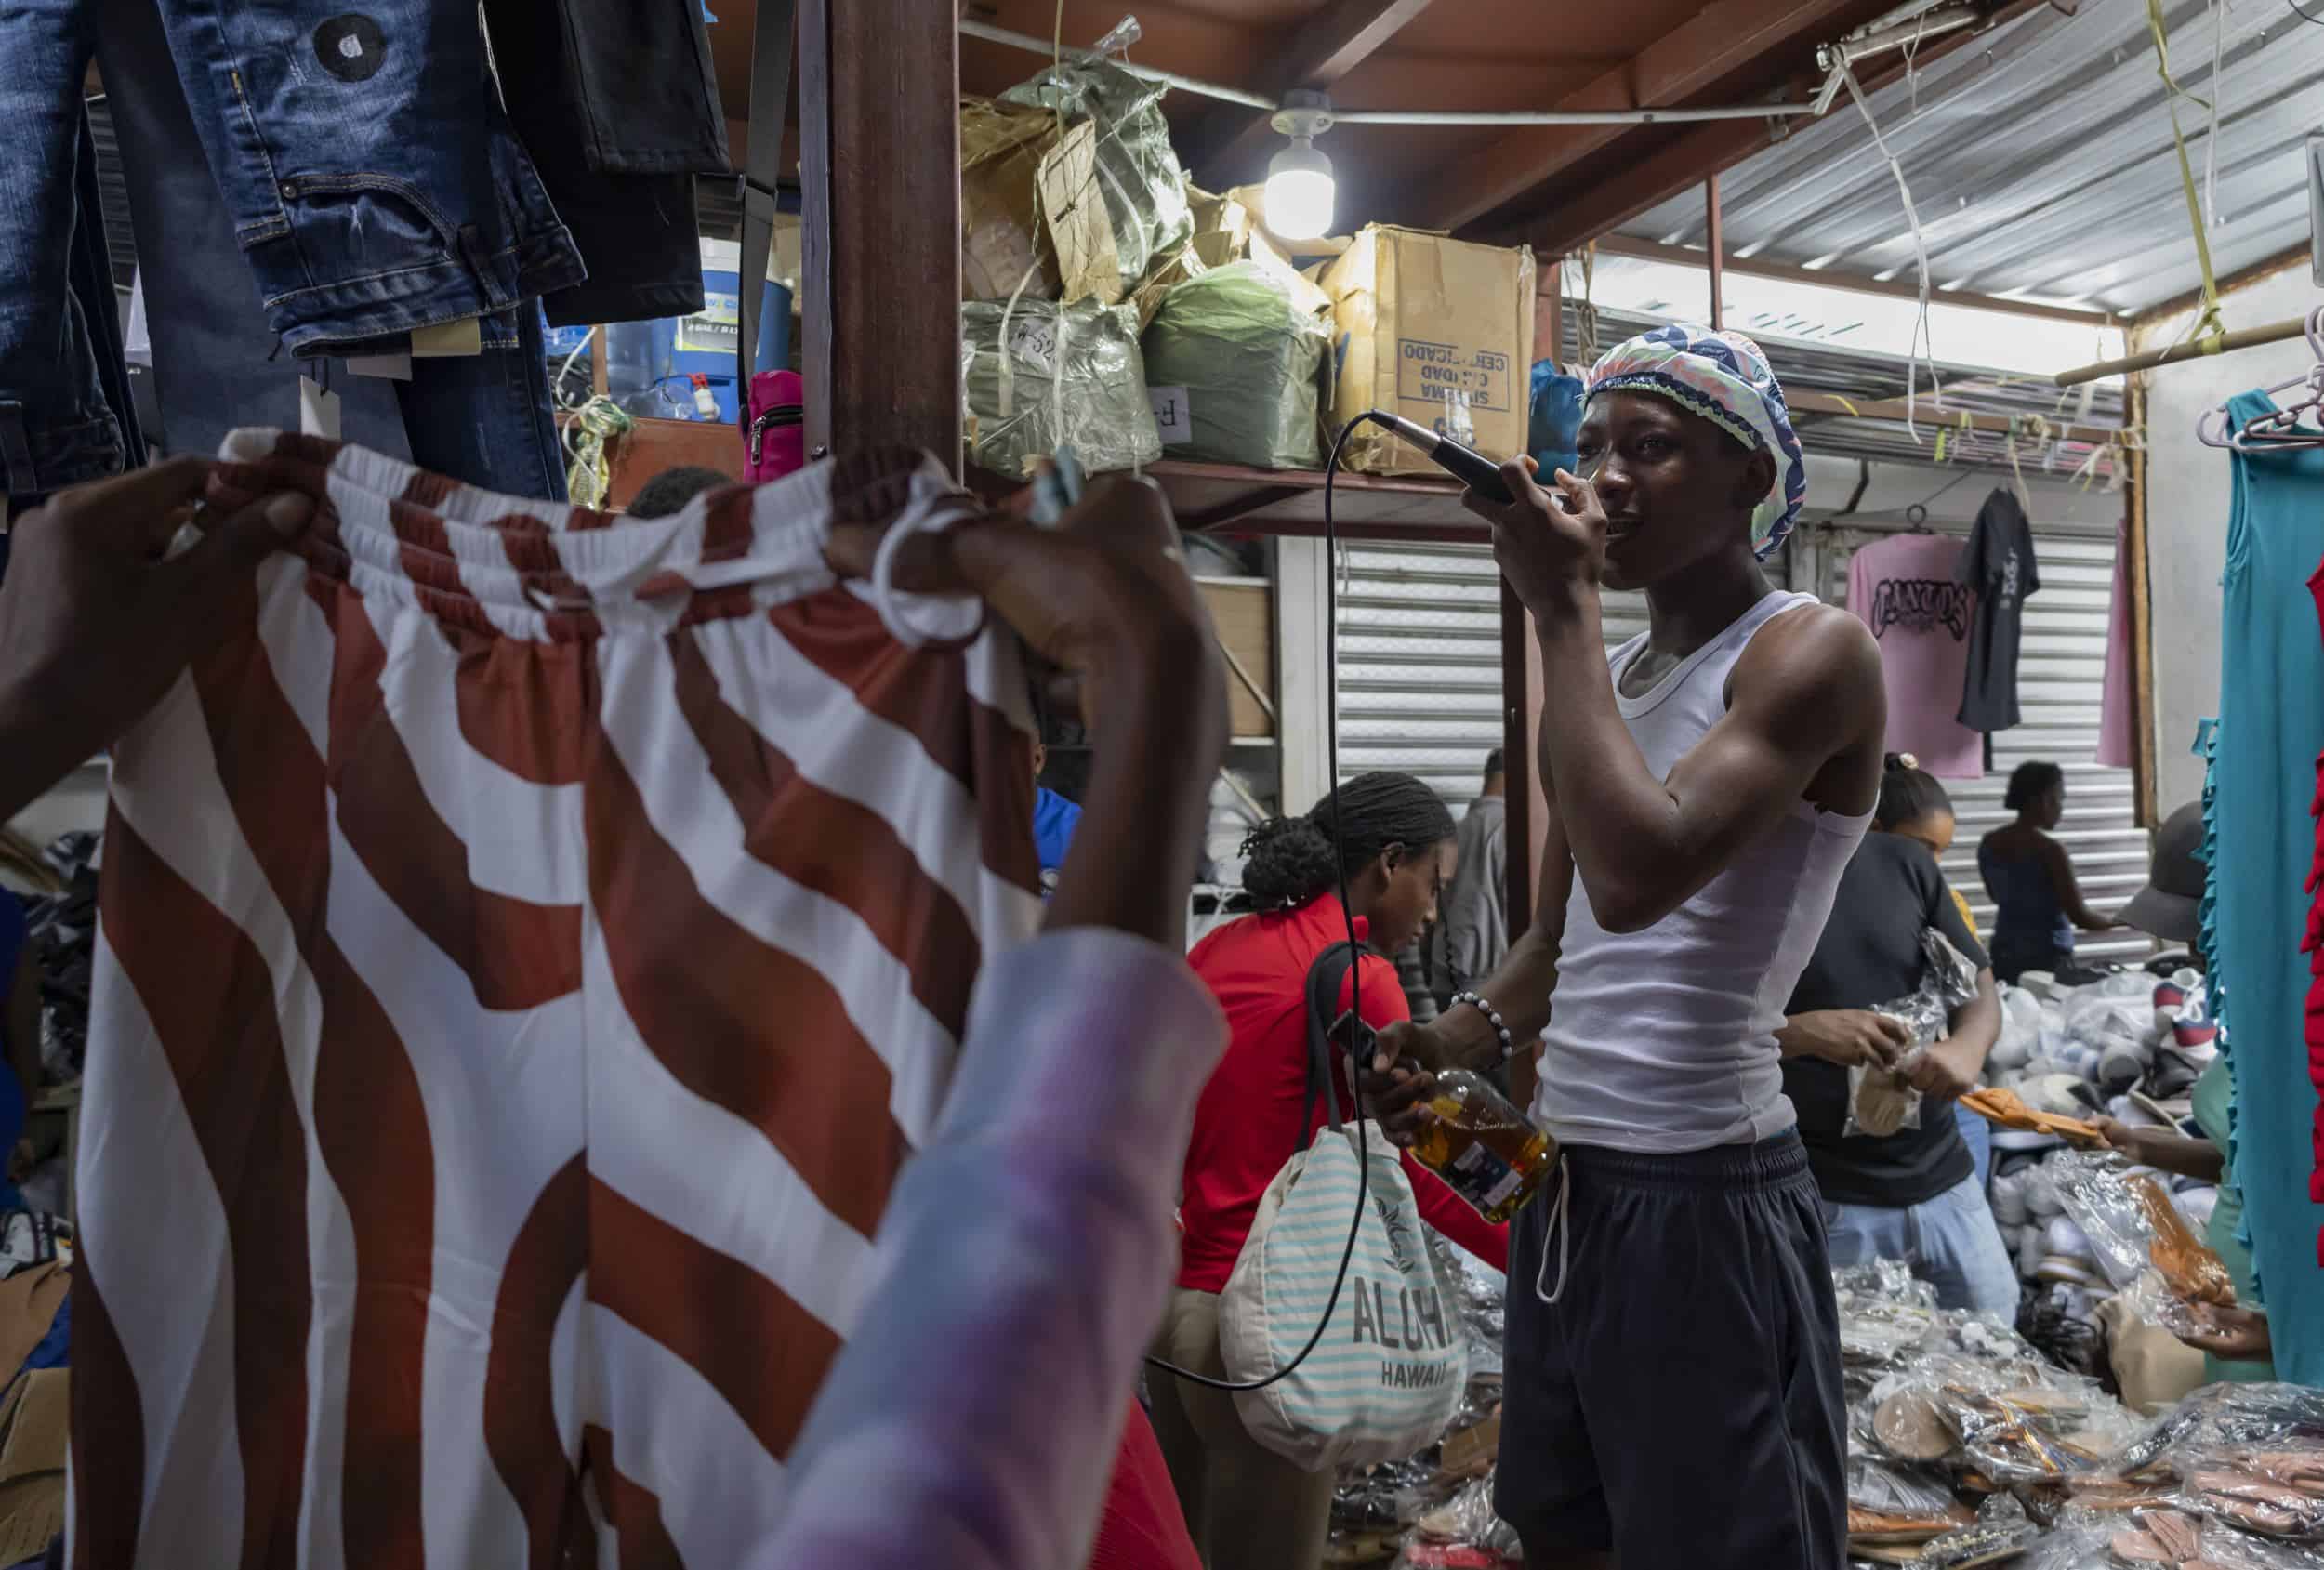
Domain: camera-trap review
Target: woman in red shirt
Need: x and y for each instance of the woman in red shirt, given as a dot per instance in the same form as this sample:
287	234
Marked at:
1249	1508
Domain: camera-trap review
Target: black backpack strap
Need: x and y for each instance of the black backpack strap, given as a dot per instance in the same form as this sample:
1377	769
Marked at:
1324	979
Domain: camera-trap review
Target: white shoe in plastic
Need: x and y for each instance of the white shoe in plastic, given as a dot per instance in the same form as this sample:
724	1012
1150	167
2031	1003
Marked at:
2007	1196
2041	1194
2069	1241
2032	1249
2067	1269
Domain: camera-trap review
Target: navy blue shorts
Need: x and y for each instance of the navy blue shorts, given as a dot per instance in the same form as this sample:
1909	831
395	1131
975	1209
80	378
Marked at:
1680	1404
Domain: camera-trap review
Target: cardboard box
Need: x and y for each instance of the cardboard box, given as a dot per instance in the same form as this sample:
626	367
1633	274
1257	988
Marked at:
1244	614
1438	330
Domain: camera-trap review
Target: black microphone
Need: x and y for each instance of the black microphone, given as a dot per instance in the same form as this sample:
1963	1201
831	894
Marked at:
1473	468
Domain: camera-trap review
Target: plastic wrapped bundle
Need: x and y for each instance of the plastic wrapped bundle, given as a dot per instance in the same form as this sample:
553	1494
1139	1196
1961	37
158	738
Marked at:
2017	1422
1247	349
2139	1237
1137	176
1890	1506
1882	1100
2249	1457
2002	1532
1463	1531
2170	1539
1480	1293
1054	376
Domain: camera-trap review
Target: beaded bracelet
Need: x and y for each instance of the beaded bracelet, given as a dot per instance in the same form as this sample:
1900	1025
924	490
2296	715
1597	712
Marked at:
1493	1017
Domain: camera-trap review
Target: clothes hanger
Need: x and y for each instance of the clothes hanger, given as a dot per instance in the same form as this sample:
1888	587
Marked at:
2280	429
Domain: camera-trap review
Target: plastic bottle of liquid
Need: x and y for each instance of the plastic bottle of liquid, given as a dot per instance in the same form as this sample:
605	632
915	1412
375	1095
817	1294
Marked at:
1487	1150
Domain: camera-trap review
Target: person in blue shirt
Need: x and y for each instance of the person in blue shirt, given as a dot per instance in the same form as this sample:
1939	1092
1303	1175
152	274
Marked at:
1054	820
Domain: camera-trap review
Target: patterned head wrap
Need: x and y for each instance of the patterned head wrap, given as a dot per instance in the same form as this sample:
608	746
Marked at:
1723	377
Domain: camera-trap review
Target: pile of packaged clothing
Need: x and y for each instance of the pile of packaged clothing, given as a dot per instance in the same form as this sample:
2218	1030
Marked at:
1435	1508
1968	1447
1074	209
1948	1410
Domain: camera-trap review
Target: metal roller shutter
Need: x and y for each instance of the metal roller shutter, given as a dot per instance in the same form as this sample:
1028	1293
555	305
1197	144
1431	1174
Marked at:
1420	661
2062	667
1420	689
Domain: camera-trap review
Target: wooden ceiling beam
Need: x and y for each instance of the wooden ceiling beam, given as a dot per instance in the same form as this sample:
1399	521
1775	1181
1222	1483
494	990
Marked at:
1723	38
1325	48
1894	288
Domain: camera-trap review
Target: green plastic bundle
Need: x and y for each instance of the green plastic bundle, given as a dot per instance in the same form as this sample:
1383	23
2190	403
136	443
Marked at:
1138	174
1247	355
1015	400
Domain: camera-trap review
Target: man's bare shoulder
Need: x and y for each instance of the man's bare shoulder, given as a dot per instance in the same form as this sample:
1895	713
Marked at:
1816	660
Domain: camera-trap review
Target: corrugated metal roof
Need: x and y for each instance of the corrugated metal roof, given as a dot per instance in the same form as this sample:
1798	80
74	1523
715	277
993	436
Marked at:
1866	377
2041	160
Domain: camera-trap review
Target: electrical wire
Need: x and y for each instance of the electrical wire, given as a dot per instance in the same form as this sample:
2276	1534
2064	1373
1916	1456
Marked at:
1355	965
2303	14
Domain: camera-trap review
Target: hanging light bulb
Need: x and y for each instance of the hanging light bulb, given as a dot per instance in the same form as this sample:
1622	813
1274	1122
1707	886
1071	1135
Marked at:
1299	187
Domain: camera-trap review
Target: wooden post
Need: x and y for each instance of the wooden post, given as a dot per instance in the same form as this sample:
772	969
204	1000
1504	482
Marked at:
880	169
1718	242
2144	758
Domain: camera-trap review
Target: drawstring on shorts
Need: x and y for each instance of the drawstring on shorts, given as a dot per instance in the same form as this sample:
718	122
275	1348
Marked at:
1565	1237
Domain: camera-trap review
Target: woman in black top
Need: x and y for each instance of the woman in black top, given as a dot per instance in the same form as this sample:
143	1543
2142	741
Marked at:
1913	1194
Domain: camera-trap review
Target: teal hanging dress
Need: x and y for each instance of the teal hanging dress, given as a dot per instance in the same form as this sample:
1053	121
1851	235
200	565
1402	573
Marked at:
2271	728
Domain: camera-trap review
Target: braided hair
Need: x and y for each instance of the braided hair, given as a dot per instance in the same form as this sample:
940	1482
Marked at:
1292	859
1908	792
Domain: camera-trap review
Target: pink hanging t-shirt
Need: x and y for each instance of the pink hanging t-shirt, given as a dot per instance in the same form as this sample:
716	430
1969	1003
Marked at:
1903	589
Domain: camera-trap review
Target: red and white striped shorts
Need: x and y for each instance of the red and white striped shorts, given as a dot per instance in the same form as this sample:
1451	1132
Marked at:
532	941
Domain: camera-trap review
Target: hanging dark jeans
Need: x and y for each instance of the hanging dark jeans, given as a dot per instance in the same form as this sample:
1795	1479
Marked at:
65	415
618	105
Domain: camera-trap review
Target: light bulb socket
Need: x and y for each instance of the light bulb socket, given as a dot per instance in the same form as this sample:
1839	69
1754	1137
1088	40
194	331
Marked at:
1304	115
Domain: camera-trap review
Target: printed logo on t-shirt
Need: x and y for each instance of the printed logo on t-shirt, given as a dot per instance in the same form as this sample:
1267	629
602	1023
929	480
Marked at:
1920	606
2009	579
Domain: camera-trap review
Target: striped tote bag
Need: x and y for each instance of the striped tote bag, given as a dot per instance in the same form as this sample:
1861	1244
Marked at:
1385	1376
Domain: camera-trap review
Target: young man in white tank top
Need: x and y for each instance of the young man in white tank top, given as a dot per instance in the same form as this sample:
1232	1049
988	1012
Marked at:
1673	1384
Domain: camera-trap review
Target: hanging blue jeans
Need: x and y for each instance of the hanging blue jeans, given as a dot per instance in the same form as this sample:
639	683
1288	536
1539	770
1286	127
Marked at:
64	406
2271	727
480	418
372	176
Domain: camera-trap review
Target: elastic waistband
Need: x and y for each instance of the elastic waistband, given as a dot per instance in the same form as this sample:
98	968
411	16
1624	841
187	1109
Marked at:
549	571
1771	1163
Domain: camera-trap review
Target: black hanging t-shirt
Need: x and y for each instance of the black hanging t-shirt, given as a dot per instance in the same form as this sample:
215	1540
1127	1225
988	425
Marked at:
1999	565
1870	954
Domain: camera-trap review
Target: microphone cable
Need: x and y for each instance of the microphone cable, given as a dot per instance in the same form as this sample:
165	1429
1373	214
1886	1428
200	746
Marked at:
1353	1018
